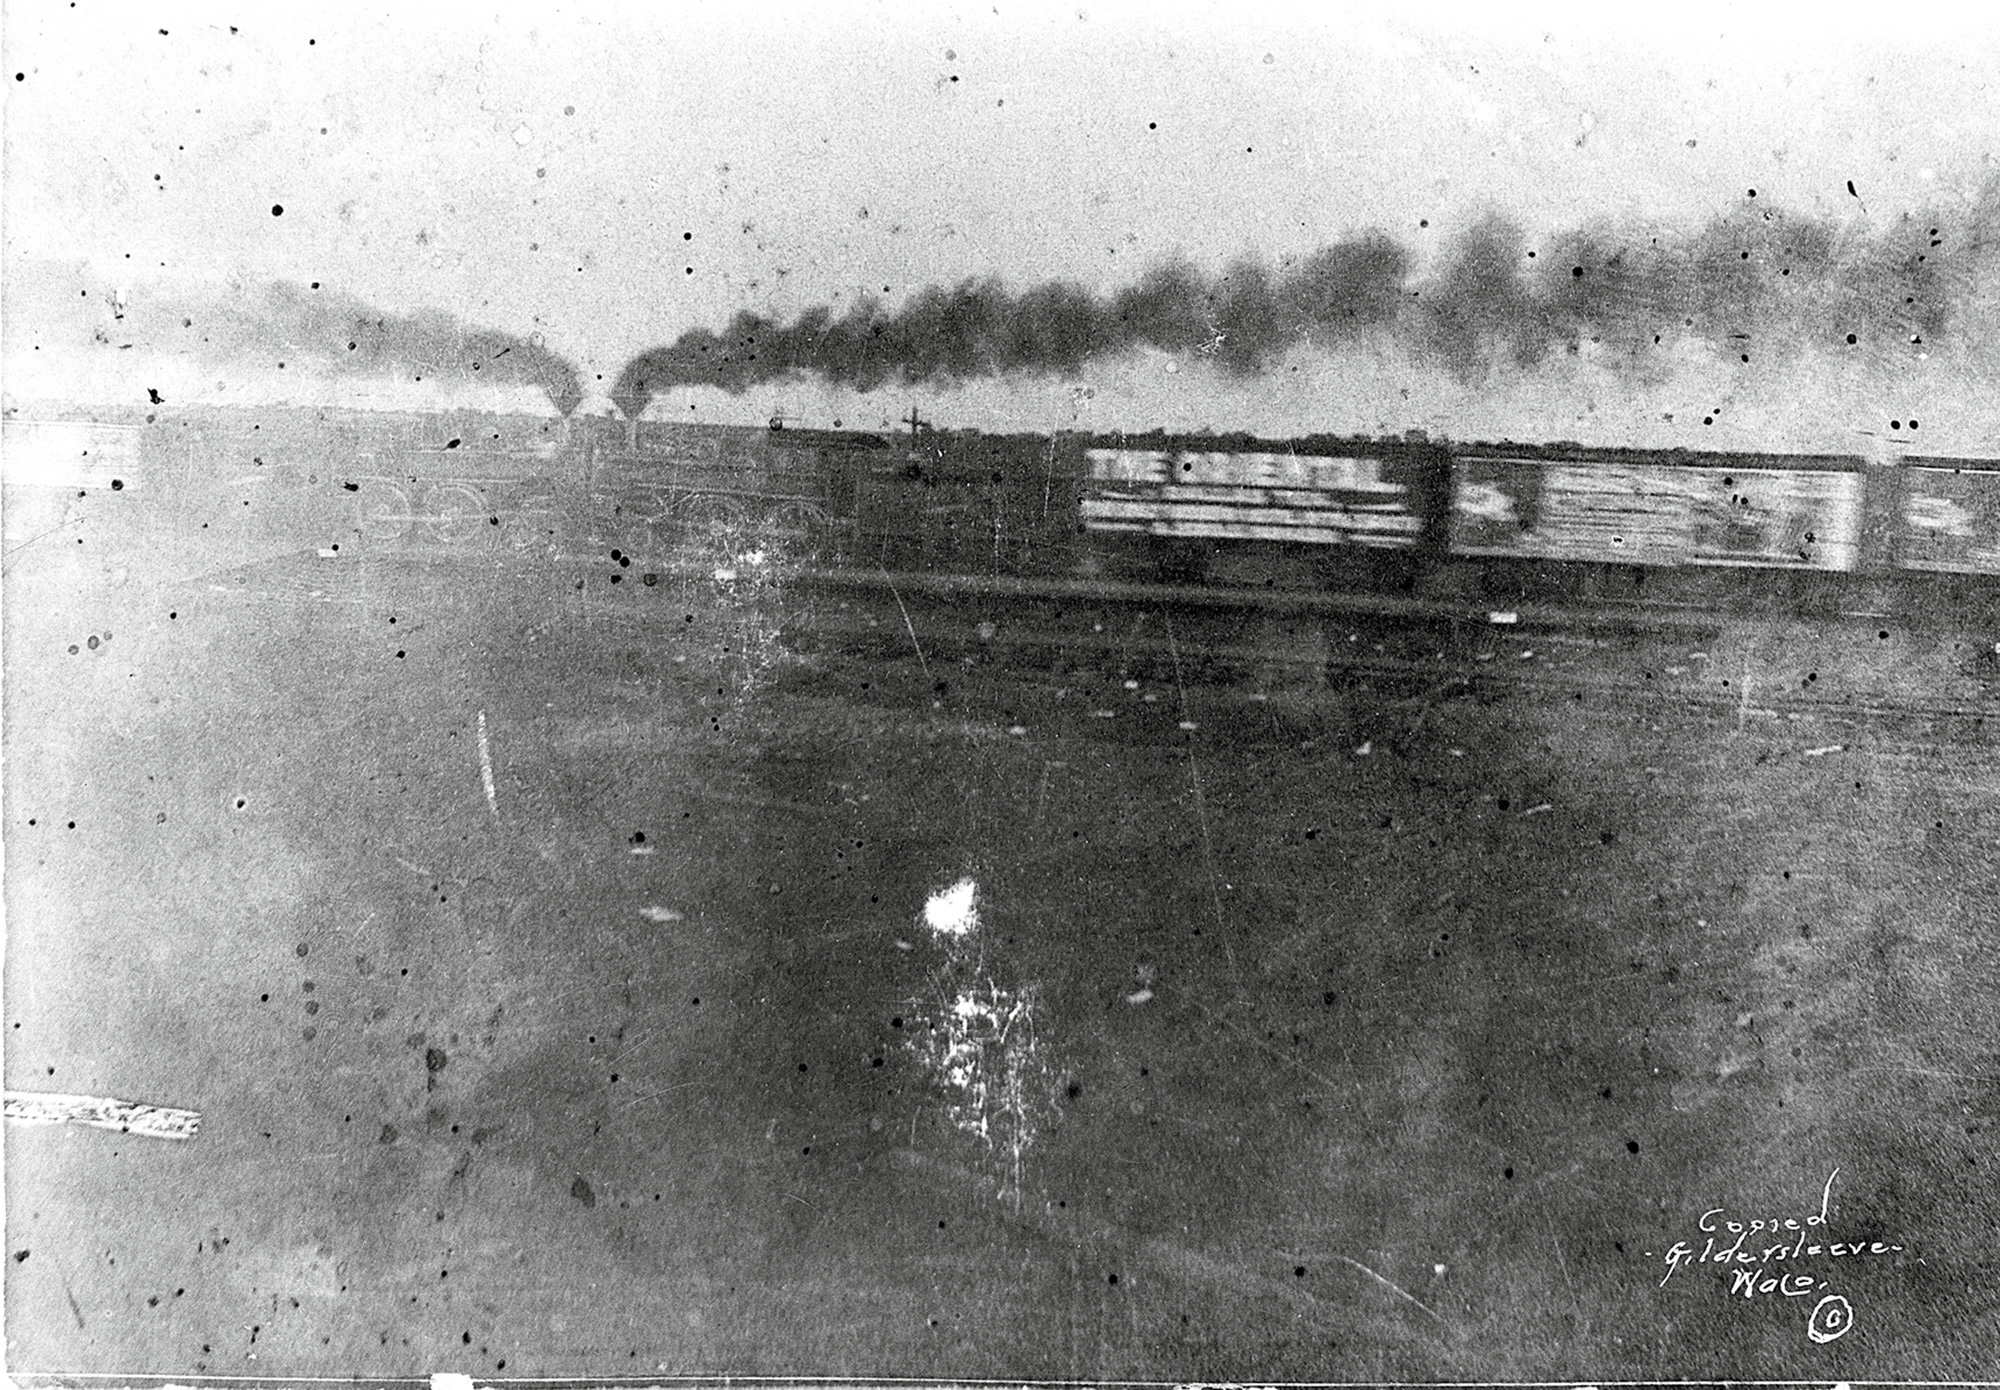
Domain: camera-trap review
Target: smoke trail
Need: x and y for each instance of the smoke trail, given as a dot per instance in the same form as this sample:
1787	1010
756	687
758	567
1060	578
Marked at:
253	327
1752	285
1244	317
1755	284
356	339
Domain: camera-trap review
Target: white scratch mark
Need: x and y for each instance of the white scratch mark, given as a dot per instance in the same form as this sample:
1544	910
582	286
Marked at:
1200	803
912	629
979	1047
1743	703
659	914
1392	1286
486	768
665	1091
981	1056
1822	752
99	1112
1563	1264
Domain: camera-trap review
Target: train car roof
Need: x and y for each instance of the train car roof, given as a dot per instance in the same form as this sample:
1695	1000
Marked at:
1682	458
1980	465
1246	442
845	439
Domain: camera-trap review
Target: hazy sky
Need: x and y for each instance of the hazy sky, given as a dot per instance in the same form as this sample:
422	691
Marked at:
609	177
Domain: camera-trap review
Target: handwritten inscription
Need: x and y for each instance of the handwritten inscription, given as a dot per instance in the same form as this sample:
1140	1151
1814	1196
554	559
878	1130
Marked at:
1762	1256
1830	1319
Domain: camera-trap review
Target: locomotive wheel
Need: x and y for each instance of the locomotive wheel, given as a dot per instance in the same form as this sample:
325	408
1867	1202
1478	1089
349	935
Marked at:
718	517
639	540
799	527
629	531
459	517
715	529
529	527
383	513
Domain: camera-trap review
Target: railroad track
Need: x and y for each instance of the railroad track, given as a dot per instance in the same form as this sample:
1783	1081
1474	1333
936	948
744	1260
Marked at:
1158	647
1252	645
1603	615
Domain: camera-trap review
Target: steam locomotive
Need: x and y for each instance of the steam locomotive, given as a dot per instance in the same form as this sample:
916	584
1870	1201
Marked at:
1222	511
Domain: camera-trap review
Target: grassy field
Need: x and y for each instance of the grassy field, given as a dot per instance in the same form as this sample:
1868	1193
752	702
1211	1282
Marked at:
553	967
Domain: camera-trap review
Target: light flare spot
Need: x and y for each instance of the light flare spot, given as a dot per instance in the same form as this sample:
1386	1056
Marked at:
953	911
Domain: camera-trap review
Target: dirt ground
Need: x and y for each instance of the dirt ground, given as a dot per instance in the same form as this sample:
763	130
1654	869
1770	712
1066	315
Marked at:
592	978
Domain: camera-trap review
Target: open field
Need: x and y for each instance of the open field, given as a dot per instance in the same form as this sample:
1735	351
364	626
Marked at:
579	979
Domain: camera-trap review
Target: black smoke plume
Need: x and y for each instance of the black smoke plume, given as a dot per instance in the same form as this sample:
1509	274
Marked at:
1757	284
1244	317
255	326
357	339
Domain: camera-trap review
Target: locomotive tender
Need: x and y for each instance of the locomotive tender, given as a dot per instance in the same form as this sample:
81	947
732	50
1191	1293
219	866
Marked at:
1703	527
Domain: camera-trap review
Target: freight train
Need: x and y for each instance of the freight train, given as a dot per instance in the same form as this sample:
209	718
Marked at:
1919	535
